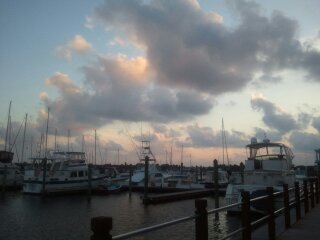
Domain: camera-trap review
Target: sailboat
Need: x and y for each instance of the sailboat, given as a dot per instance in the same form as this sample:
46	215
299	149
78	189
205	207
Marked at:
10	174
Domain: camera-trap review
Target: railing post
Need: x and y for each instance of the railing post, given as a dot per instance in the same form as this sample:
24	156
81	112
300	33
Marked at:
297	198
101	227
245	216
201	219
312	192
306	196
271	223
317	190
286	206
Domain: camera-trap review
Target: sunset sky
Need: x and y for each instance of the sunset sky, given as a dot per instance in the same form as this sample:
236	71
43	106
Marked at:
166	71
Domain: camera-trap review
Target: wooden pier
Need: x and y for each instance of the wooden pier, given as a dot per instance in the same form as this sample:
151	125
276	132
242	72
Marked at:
168	197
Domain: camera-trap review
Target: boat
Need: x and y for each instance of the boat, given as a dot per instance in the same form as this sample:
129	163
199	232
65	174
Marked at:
268	165
223	178
61	172
10	174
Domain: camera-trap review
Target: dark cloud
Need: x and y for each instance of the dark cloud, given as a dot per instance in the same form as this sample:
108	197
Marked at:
273	117
304	142
186	48
316	123
206	137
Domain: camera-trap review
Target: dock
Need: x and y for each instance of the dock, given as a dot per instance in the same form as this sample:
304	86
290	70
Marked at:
176	196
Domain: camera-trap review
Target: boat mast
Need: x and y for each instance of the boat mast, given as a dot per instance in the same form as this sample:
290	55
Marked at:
24	136
46	143
7	130
95	147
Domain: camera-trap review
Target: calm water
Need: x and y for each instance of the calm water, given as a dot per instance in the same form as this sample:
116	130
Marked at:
29	217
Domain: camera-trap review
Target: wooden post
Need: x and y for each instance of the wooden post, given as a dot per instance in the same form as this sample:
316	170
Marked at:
146	180
271	223
201	219
306	196
89	181
101	227
286	206
44	173
197	174
317	190
130	182
245	215
241	172
4	179
312	193
297	200
216	187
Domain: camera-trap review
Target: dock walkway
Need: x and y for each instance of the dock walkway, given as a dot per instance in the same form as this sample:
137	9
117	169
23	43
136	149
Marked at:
307	228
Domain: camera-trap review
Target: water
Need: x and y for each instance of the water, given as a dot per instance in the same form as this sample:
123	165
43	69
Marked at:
28	217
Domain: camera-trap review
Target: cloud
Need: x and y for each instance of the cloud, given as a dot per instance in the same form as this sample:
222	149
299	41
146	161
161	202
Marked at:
187	49
118	88
274	117
206	137
316	123
89	23
78	44
304	142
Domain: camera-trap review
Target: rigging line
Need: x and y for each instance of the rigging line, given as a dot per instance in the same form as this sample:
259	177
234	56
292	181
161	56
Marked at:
15	139
135	146
99	149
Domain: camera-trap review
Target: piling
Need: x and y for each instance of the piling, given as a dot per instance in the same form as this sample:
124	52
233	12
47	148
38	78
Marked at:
241	172
306	196
216	187
101	227
297	200
44	175
4	179
286	206
146	180
89	181
245	215
201	219
196	174
130	182
271	222
312	193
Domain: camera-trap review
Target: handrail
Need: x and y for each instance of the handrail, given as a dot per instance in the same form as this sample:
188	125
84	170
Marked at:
201	214
152	228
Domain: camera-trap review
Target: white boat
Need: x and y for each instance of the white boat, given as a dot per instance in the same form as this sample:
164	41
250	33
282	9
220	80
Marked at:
65	172
182	182
10	174
223	178
268	165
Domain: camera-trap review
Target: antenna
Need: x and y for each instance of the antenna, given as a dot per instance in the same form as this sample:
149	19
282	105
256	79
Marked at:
46	145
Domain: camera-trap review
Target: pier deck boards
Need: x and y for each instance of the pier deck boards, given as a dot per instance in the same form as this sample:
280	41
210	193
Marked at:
306	228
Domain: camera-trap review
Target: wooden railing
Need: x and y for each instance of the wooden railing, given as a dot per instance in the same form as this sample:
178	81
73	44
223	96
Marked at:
309	193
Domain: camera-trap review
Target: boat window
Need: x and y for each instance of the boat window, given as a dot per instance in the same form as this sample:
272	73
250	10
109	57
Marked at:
158	175
73	174
86	173
80	173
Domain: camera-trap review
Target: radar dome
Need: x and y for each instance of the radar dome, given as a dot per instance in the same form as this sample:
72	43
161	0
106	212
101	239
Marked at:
266	140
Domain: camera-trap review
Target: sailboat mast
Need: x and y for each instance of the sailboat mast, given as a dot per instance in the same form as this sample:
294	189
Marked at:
222	138
46	145
7	130
24	136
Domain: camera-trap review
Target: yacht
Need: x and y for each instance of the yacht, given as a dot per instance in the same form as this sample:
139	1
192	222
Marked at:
268	165
61	172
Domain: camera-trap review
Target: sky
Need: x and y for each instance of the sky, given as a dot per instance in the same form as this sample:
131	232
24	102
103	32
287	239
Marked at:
169	72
